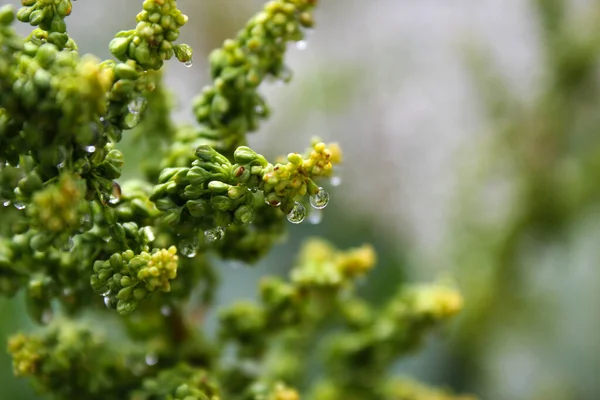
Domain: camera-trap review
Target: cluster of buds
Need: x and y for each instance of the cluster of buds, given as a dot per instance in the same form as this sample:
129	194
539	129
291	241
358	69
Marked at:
151	42
232	106
49	15
126	279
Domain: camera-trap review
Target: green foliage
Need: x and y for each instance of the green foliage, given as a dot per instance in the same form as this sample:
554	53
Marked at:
76	239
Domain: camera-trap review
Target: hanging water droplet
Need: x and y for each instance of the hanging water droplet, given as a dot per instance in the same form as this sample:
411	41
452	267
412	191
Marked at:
20	206
115	196
90	149
320	199
301	44
297	214
68	246
47	316
188	248
149	233
61	164
6	203
151	359
188	63
315	217
165	310
273	203
107	302
236	264
135	106
215	234
335	181
105	293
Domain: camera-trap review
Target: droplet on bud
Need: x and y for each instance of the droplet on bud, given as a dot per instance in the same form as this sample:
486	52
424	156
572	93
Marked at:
107	301
135	106
151	359
188	63
273	203
188	247
115	196
68	246
47	316
301	44
165	310
20	206
215	234
297	214
6	203
90	149
149	233
320	199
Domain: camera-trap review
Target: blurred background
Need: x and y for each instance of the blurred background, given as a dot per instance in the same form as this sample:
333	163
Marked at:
471	134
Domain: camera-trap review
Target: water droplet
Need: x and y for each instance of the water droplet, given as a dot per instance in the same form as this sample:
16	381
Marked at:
315	217
20	206
61	164
6	203
68	246
90	149
188	63
105	293
259	109
273	203
301	44
107	302
236	264
149	233
165	310
47	316
335	181
151	359
188	248
115	196
320	199
215	234
136	105
297	214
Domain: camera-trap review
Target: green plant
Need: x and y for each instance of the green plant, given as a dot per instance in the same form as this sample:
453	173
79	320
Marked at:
76	240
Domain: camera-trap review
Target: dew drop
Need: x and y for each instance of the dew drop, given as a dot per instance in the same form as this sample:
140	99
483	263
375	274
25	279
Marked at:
68	246
273	203
107	302
335	181
165	310
135	106
315	217
61	165
149	233
188	63
105	294
47	316
320	199
188	248
20	206
6	203
90	149
215	234
115	196
297	214
301	44
151	359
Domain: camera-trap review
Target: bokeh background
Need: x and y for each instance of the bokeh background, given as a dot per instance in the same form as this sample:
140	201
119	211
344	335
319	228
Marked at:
471	132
